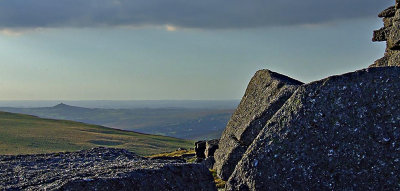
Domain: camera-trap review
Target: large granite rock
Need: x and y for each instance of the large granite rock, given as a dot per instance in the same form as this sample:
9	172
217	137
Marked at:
100	169
265	94
390	33
340	133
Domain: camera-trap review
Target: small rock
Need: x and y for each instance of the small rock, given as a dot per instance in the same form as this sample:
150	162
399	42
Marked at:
389	12
200	148
211	147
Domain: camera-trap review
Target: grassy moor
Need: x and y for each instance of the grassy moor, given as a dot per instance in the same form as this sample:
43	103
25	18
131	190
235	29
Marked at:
25	134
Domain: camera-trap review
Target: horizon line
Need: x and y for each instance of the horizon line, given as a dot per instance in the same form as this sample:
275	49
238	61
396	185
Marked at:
122	99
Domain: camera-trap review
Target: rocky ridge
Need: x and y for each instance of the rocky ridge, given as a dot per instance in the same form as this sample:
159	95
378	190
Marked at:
100	169
390	33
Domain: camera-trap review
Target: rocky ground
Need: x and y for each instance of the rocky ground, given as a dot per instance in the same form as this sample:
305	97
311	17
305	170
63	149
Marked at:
100	169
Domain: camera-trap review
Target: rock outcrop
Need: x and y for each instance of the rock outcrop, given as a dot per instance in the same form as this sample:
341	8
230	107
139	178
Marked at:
205	149
339	133
390	33
205	152
200	149
265	94
100	169
211	147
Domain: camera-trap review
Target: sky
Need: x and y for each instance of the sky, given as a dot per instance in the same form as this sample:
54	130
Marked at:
177	49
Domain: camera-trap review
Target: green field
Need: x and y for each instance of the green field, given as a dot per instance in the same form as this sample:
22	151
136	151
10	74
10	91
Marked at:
25	134
193	124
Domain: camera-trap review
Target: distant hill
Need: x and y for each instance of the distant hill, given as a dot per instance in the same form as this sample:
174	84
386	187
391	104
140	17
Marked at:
25	134
186	123
127	104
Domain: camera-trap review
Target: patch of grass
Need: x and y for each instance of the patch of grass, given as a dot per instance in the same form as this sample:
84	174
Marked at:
106	142
191	160
174	154
218	182
25	134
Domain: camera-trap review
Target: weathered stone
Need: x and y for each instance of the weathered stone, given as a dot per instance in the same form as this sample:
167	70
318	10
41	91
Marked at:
200	148
211	147
382	62
100	169
391	34
340	133
265	94
387	22
394	59
393	37
389	12
380	35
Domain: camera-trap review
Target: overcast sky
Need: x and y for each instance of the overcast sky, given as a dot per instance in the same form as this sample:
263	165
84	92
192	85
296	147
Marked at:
176	49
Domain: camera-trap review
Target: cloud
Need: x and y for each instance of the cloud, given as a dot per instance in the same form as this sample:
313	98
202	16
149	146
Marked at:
18	31
205	14
8	32
170	28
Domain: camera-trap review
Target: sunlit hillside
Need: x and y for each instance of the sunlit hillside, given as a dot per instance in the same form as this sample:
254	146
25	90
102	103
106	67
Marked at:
25	134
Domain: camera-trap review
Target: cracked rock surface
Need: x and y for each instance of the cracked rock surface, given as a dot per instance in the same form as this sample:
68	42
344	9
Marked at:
265	94
339	133
100	169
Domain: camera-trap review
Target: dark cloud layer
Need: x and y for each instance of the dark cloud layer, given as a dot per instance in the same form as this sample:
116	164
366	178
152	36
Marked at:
182	13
